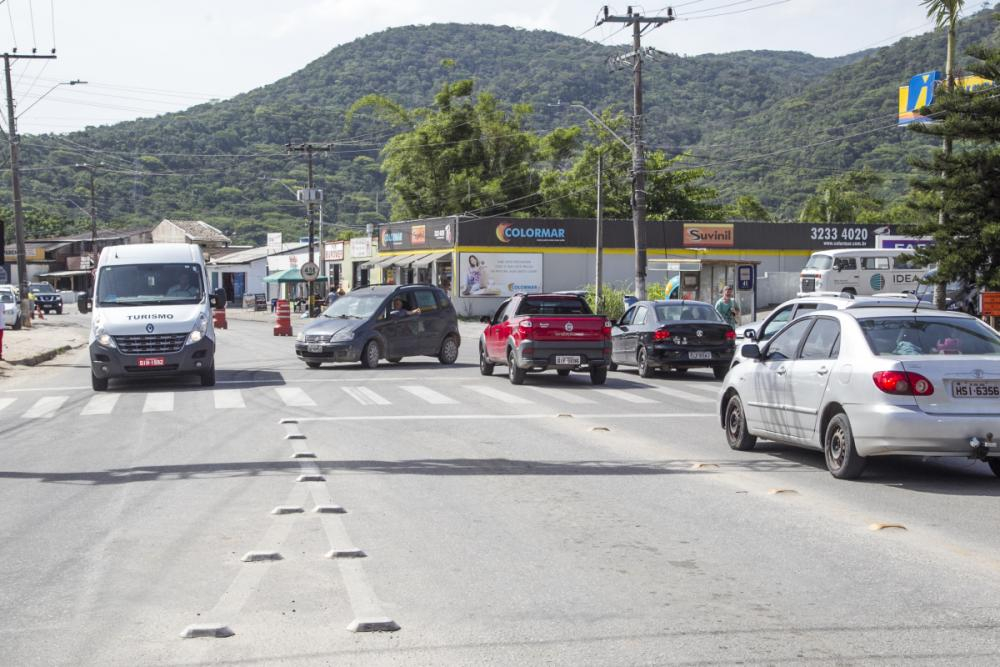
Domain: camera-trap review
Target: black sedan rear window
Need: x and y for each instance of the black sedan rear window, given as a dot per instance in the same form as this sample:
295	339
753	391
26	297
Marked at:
908	336
676	312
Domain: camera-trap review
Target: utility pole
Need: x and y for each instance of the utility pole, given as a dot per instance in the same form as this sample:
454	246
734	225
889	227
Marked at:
599	271
310	199
91	169
634	59
15	181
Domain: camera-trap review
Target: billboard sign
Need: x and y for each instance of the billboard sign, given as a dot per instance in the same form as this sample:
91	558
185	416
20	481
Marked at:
920	93
902	242
499	273
432	234
361	247
708	235
335	251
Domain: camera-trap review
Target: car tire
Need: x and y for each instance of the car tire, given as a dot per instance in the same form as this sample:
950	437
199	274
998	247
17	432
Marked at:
370	354
98	384
515	374
642	361
994	464
449	351
842	459
720	371
598	374
562	372
849	292
17	324
314	364
58	311
485	365
208	377
737	434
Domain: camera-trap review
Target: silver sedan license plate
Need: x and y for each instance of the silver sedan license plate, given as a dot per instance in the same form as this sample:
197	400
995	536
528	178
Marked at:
985	389
315	348
699	355
567	361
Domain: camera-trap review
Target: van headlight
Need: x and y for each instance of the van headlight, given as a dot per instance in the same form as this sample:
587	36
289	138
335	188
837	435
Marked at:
103	338
200	329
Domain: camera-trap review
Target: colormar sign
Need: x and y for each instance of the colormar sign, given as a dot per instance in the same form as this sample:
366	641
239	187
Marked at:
708	235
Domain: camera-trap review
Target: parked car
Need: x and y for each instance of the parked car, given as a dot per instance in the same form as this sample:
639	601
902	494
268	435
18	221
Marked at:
364	325
657	335
959	295
865	382
46	297
536	332
11	310
761	332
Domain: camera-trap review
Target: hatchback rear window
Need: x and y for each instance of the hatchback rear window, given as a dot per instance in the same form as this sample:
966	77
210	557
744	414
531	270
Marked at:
539	306
908	336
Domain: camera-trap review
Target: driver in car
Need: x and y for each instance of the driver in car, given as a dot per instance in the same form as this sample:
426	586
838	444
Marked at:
399	309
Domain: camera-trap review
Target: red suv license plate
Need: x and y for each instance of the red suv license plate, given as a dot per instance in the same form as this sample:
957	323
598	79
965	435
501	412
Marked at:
149	362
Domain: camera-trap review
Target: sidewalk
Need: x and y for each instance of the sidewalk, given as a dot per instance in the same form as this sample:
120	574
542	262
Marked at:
44	340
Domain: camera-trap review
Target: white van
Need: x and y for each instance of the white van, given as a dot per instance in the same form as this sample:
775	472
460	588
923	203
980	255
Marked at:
860	271
152	314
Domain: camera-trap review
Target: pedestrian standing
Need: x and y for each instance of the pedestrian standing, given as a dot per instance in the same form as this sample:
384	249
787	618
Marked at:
727	308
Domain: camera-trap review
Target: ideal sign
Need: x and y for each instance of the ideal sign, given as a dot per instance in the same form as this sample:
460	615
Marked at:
902	242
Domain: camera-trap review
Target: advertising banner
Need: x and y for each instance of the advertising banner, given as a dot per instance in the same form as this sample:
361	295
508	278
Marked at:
708	235
499	273
335	251
435	234
361	247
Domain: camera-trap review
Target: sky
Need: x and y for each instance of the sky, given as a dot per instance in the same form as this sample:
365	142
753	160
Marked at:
142	58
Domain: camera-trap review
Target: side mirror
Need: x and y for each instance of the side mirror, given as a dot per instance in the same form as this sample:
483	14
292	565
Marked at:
218	299
485	319
750	351
750	334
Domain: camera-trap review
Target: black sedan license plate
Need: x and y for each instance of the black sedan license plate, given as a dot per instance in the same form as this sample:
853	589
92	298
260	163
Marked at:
699	355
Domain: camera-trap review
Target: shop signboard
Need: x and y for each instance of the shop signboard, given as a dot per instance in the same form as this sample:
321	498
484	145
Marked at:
902	242
361	247
499	273
434	234
708	235
335	251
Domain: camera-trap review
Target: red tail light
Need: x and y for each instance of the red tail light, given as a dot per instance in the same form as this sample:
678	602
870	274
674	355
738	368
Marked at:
526	327
902	383
606	329
661	334
730	334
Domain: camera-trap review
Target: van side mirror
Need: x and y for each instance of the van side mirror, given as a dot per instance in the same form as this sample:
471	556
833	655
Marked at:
83	303
750	351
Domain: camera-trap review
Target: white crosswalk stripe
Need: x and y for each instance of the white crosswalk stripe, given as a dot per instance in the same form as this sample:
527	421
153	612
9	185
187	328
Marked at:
161	402
100	404
564	394
683	395
498	395
429	395
46	407
365	396
711	389
294	397
624	395
6	402
226	399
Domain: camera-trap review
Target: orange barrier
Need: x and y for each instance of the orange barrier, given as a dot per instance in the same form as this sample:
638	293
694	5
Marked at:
282	319
219	318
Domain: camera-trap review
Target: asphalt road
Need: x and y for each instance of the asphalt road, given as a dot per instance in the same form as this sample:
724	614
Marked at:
552	523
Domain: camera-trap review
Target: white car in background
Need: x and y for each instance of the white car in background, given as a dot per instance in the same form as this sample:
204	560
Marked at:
11	311
864	382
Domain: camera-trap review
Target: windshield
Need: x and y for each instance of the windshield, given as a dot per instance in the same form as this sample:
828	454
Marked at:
6	297
149	284
355	306
675	312
908	336
819	262
42	288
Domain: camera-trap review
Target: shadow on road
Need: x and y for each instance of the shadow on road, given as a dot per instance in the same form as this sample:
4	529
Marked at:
224	379
383	365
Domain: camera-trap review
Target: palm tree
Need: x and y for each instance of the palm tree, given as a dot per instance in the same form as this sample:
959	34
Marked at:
945	14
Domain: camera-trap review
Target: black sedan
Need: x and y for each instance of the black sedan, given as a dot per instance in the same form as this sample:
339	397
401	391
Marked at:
672	334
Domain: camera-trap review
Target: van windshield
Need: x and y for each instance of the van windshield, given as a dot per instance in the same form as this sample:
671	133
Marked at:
819	262
149	285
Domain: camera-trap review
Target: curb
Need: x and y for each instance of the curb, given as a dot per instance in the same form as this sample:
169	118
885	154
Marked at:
42	357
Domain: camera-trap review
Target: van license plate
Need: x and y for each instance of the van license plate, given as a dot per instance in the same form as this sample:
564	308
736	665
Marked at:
567	361
149	362
699	355
316	349
963	389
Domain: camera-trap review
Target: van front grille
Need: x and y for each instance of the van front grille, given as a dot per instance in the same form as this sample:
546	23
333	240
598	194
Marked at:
150	344
808	284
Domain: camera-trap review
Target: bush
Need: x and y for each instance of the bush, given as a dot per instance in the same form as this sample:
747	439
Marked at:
612	303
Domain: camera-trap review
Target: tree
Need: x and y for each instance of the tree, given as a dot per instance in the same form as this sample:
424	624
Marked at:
848	197
967	181
748	208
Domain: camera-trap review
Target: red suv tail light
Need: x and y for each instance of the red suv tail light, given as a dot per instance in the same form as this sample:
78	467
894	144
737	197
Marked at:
902	383
661	334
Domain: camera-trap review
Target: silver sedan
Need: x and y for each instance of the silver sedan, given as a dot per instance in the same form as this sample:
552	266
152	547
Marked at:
871	382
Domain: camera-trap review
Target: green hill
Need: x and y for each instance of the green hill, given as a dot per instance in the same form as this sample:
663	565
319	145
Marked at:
749	115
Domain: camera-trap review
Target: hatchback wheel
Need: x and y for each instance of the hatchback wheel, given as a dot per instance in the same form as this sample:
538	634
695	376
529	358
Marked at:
598	374
515	374
370	355
994	463
449	351
737	435
842	459
485	365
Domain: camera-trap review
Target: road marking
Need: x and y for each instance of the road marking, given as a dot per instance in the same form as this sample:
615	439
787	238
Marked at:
228	398
562	394
429	395
498	395
100	404
624	395
366	396
162	402
294	397
546	415
45	407
5	402
683	395
712	389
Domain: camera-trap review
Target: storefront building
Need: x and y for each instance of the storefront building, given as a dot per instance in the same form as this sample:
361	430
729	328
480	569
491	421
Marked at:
349	264
481	261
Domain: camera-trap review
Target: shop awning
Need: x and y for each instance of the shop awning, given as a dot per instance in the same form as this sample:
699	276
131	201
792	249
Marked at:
290	276
64	274
396	260
427	260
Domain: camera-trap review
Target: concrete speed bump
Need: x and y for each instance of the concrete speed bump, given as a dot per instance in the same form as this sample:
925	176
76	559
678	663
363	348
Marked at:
329	509
703	466
346	553
381	624
207	630
258	556
776	492
295	436
564	414
289	421
603	429
287	509
311	478
884	526
303	455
